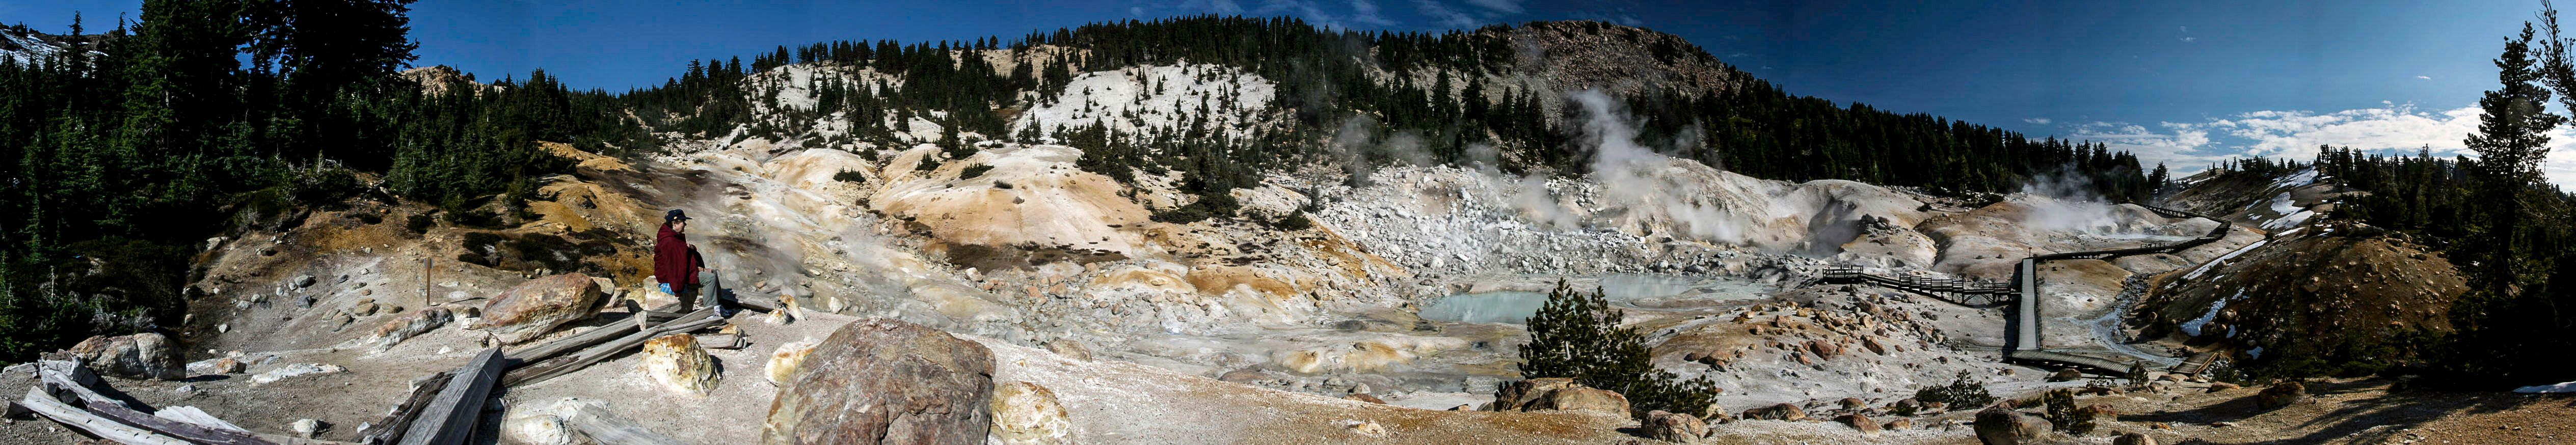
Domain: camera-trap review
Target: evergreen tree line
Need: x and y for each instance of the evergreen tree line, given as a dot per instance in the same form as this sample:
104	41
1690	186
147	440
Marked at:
1426	85
202	116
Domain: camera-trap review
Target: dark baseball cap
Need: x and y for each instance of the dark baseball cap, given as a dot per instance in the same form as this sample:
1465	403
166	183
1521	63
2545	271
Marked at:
675	215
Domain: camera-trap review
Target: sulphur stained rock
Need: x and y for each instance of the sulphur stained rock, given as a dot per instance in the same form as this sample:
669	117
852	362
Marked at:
1584	399
542	423
1517	395
883	381
1997	425
143	356
676	362
1027	414
534	308
782	363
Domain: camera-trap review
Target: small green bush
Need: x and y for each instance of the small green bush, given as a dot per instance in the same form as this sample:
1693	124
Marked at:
972	171
419	224
1961	393
850	176
2064	415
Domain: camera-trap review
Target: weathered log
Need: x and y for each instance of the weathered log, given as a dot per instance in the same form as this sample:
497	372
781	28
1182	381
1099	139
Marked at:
451	417
45	404
192	415
603	333
605	426
550	368
423	390
64	377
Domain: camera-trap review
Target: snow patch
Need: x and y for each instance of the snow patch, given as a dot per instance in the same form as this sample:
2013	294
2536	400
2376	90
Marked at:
2213	263
2192	327
2569	387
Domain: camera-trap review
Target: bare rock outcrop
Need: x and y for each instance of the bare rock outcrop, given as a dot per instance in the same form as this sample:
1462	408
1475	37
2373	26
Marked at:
883	381
1028	414
534	308
1557	394
143	356
677	363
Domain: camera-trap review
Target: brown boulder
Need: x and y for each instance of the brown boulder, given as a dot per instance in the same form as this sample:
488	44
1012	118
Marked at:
1364	397
534	308
2134	439
1998	425
1859	422
1674	427
141	356
2221	386
2280	395
883	381
1853	403
1899	424
2066	375
404	327
1515	395
1782	411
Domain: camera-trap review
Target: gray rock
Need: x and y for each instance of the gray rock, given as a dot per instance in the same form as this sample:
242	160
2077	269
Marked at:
883	381
142	356
1674	427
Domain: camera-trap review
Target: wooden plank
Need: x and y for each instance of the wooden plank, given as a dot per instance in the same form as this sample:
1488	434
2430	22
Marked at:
451	417
45	404
191	414
385	430
566	364
594	336
63	377
605	426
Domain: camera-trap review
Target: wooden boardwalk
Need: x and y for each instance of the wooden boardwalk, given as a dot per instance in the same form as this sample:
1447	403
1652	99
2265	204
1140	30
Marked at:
2026	345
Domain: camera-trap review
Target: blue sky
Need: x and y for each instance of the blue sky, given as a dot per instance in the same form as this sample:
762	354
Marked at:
2186	82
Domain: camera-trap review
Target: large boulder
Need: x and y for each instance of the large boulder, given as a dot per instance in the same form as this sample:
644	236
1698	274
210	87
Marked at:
2134	439
680	365
141	356
1674	427
2280	395
2000	425
1027	414
534	308
883	381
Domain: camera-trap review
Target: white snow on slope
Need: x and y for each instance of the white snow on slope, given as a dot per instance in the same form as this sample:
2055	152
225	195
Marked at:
1157	97
26	49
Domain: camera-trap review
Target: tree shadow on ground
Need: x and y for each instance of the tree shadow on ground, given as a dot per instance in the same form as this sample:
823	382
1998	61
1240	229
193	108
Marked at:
2361	420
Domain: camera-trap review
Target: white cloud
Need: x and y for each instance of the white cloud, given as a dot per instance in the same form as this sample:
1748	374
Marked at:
1365	11
2038	120
2189	39
1138	11
2424	77
1501	6
2296	134
1447	17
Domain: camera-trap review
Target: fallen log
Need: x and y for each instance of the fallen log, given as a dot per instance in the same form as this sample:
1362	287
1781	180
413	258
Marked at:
64	377
534	372
608	427
423	390
451	417
594	336
45	404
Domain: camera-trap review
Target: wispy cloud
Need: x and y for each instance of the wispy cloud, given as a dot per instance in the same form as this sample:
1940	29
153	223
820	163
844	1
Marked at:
2038	120
1365	11
2424	77
2296	134
1501	6
1446	17
2189	39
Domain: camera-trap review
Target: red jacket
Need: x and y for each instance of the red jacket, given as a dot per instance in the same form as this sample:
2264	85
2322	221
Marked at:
674	262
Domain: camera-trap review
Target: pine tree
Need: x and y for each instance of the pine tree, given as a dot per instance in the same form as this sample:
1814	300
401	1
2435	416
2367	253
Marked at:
2512	140
1577	335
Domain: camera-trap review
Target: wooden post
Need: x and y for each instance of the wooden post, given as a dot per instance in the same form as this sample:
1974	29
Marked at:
424	282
